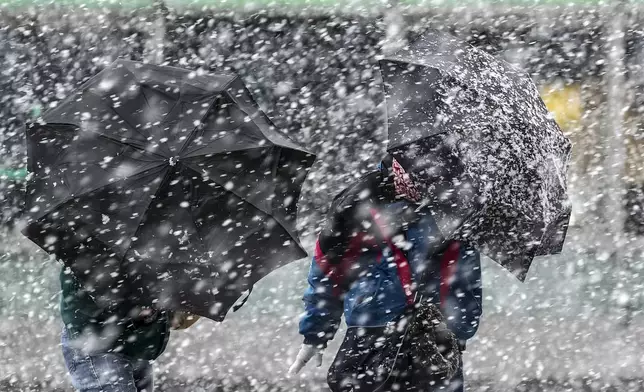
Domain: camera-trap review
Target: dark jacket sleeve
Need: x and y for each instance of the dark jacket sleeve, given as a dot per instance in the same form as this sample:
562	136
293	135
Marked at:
345	218
463	307
349	210
334	237
322	309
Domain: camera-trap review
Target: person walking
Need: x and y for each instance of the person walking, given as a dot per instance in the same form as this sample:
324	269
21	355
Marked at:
112	350
349	275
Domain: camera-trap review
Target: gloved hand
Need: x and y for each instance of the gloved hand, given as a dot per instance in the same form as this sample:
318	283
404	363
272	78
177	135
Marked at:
307	352
181	320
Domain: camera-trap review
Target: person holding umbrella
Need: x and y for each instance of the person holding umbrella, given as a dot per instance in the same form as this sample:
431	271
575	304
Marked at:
479	150
165	194
106	350
447	273
484	151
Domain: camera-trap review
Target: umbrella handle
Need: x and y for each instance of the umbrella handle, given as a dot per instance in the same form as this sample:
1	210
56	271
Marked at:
238	306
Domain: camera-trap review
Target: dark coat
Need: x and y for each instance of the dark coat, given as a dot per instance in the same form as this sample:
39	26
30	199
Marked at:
365	287
134	337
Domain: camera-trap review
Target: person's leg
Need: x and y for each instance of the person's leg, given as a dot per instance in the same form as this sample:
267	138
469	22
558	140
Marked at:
100	372
143	376
457	383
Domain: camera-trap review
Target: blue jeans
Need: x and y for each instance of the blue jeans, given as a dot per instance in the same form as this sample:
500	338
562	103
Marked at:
457	384
106	372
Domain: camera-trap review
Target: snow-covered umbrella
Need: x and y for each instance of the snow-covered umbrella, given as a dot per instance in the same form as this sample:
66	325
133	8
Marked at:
473	133
158	185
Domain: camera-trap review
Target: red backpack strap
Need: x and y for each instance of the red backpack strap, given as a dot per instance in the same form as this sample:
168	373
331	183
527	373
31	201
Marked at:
448	269
322	261
335	272
402	265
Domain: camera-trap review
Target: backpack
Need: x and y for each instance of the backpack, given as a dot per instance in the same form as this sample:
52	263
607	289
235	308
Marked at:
415	349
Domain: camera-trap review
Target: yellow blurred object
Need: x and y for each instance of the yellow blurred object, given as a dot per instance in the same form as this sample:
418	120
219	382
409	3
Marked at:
182	320
567	106
564	102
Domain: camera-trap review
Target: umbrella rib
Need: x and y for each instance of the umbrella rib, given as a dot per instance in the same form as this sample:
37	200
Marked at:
142	214
242	198
145	210
176	103
147	102
61	162
64	181
397	146
151	87
194	154
191	136
138	148
83	87
243	237
171	109
274	172
53	208
102	212
259	113
115	140
145	97
194	222
113	109
189	166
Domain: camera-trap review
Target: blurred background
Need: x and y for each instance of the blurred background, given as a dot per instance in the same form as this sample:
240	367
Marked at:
575	325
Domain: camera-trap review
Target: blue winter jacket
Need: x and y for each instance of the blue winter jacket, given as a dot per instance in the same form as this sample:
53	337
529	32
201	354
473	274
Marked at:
377	297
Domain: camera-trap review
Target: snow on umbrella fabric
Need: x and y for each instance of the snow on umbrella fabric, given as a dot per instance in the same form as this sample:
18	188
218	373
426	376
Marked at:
479	142
157	184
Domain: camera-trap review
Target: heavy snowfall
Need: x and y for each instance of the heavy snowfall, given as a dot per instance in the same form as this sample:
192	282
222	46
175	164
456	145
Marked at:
575	324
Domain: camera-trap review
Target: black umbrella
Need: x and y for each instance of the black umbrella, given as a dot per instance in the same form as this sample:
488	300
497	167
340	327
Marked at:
476	137
161	185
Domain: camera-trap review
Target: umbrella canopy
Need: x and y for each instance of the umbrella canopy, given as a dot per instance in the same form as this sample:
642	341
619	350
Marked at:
475	136
160	185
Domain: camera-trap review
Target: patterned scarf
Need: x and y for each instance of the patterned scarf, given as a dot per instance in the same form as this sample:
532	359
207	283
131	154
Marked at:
403	184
